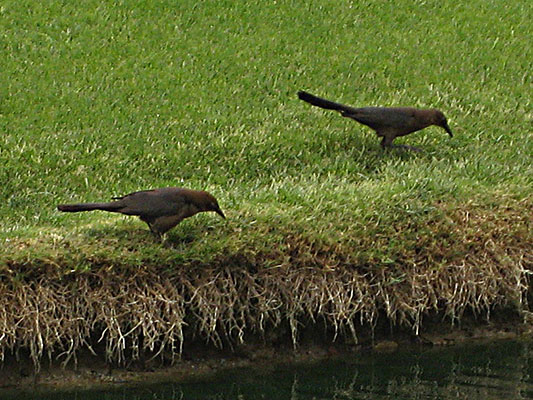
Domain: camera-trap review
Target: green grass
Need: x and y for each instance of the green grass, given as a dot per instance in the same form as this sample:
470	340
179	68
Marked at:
99	100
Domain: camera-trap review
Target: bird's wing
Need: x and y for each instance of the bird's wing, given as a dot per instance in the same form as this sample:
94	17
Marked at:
133	194
382	118
154	203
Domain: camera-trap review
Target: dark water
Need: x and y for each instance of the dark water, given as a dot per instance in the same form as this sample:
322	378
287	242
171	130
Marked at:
496	370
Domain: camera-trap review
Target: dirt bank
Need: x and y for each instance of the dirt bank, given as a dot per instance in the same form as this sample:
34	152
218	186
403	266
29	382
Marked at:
200	360
308	296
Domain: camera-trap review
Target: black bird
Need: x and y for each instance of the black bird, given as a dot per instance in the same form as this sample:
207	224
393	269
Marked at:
388	122
162	209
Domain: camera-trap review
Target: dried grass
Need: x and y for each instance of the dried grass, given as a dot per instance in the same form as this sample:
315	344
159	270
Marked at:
154	310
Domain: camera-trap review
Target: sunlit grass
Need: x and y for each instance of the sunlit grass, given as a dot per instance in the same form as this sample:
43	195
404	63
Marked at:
102	99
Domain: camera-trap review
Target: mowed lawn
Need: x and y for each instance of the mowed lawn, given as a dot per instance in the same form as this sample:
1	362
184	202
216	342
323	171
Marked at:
102	99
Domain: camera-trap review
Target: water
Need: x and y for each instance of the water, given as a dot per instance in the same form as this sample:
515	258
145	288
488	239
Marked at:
497	370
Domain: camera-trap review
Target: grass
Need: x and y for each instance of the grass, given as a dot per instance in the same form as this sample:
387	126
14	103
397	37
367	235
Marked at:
100	100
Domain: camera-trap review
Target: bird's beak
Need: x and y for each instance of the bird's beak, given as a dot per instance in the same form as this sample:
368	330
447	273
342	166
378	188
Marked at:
219	212
447	129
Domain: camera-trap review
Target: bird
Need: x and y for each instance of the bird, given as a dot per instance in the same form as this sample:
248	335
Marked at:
162	209
388	122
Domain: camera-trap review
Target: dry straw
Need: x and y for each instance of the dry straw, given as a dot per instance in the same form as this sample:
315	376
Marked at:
153	311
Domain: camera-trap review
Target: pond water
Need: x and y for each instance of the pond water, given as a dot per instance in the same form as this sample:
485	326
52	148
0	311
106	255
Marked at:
495	370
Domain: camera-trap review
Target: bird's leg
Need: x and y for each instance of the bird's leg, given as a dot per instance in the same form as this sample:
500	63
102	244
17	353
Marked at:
161	237
156	233
386	142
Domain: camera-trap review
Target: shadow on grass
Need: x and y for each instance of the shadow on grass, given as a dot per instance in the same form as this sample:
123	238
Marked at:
362	150
133	236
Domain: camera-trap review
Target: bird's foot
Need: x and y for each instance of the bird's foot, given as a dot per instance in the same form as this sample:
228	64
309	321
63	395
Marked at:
158	237
165	242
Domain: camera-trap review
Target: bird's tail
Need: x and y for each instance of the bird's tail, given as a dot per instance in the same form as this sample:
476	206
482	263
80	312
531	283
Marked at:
112	206
323	103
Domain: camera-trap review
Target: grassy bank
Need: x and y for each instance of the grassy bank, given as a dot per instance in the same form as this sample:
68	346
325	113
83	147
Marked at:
100	100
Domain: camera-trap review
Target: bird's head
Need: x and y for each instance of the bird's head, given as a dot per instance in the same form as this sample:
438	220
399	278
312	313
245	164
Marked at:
209	203
440	120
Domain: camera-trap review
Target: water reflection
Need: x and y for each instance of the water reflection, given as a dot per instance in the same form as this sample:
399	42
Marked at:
497	370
